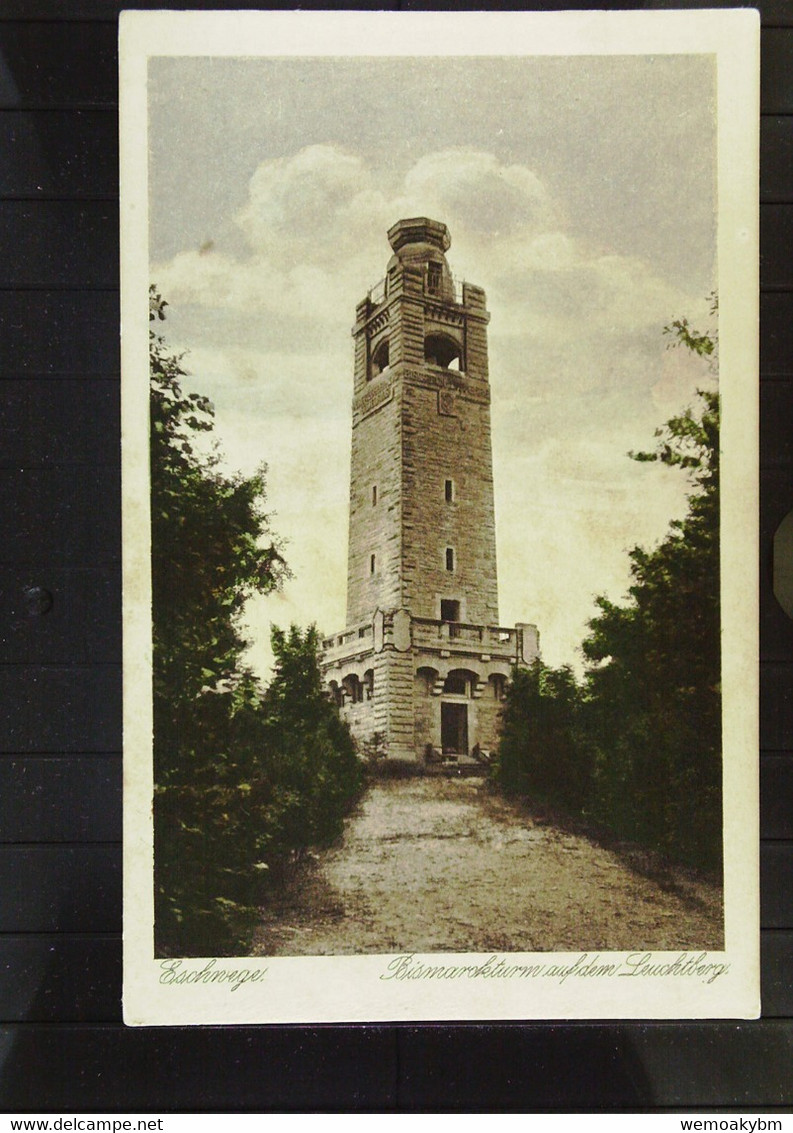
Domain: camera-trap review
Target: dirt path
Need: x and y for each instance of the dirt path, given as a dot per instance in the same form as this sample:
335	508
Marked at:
443	865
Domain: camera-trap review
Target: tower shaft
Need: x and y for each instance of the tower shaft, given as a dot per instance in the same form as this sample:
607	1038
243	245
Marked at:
422	666
422	526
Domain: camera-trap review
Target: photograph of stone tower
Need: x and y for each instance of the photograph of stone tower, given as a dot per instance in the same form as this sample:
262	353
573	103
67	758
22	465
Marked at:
433	465
421	668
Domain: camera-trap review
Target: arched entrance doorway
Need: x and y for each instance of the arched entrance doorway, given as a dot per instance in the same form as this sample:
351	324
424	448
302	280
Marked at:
455	708
454	728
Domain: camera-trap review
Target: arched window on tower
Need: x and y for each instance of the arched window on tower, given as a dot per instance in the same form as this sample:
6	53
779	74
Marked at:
439	350
380	358
424	681
459	682
353	689
498	685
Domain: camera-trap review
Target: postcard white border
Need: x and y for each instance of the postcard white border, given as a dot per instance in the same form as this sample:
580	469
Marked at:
358	988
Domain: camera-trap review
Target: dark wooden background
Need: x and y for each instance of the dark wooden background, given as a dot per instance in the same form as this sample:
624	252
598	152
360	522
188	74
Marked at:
63	1045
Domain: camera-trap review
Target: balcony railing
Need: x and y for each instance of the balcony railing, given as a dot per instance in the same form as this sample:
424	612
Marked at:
376	294
358	639
464	637
452	290
426	633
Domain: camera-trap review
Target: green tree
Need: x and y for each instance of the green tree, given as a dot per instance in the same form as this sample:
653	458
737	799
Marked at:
653	681
212	548
638	747
542	751
311	761
245	778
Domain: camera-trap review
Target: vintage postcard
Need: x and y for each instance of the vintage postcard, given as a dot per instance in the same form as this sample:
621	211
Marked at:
440	507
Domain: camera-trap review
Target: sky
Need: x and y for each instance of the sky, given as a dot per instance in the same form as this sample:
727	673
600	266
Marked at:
580	192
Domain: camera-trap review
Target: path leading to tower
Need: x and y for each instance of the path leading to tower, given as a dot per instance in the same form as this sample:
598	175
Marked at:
444	865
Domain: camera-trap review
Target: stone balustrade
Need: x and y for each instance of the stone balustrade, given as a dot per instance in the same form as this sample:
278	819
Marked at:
340	646
464	638
436	636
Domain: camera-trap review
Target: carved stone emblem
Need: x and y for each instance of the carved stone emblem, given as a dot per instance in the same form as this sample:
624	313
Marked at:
446	403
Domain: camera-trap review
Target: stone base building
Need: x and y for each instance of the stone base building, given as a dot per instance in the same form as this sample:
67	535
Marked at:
423	663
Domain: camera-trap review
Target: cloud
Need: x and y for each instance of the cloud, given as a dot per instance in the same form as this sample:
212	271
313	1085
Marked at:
315	222
579	369
486	199
314	207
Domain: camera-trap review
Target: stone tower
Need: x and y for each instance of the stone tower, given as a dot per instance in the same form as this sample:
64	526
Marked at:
423	663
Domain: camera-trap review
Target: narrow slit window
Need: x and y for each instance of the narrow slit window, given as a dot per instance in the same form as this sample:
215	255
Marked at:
374	495
450	558
371	564
449	491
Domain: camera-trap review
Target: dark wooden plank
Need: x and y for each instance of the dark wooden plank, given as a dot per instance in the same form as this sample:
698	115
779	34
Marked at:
60	979
107	10
775	13
60	888
60	799
591	1068
776	421
60	709
471	1069
72	153
51	421
210	1069
51	332
776	796
573	1067
776	885
701	1065
51	10
52	64
776	240
60	616
59	244
61	515
776	75
776	706
776	949
776	157
776	335
776	628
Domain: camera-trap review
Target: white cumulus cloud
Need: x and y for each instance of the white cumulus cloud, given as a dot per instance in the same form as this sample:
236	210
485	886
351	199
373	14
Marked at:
578	365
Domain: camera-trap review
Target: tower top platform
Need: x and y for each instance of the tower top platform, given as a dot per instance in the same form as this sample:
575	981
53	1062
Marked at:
419	230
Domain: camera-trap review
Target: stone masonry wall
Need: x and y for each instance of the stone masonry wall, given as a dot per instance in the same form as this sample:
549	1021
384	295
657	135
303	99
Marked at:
426	716
375	528
437	446
399	694
416	425
489	712
361	718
